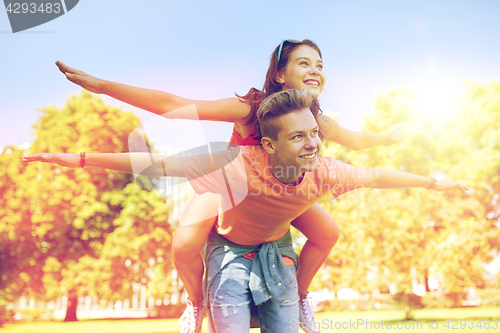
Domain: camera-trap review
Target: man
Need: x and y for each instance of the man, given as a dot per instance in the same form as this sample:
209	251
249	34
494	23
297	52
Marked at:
250	258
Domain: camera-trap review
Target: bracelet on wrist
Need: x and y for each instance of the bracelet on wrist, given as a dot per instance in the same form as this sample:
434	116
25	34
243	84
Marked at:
433	183
82	159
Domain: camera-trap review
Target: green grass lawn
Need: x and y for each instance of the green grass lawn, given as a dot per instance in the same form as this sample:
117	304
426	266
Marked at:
473	320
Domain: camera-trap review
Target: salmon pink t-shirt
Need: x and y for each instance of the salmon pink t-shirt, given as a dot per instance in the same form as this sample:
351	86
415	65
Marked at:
238	140
255	207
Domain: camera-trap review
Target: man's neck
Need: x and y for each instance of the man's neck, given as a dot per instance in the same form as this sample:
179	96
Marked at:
284	174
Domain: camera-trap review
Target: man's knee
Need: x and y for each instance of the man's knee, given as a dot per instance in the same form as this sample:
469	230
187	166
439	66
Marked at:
230	318
228	309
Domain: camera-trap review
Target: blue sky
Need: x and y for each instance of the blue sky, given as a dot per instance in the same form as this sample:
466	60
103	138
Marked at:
212	49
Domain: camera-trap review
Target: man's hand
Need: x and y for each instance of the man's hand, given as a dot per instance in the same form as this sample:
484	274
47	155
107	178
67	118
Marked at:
81	78
66	160
443	185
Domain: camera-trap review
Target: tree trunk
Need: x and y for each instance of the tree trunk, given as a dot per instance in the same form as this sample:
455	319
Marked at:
408	312
426	278
71	307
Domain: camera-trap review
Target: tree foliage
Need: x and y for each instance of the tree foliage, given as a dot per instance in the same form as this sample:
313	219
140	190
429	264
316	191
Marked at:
71	231
95	232
403	237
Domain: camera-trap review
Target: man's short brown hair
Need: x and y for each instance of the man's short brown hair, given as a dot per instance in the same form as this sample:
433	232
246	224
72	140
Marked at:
278	104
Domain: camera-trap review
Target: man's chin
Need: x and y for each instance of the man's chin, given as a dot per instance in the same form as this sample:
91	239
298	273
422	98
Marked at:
313	168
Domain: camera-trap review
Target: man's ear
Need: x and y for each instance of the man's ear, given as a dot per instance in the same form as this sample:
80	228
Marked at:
268	145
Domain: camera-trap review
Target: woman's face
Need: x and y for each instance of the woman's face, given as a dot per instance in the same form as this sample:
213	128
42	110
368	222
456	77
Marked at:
303	71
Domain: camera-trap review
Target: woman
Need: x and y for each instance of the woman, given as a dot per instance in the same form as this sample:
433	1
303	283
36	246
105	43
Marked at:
294	65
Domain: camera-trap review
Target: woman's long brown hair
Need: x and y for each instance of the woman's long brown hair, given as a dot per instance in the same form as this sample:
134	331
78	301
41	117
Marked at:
255	96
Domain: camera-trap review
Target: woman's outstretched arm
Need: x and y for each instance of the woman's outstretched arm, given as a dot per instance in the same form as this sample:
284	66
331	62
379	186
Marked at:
332	131
160	102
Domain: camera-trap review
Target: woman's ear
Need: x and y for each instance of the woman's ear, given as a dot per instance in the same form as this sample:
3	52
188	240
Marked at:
268	145
280	78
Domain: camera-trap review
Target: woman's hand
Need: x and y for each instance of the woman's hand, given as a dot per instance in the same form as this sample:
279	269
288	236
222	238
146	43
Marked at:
81	78
66	160
444	185
394	135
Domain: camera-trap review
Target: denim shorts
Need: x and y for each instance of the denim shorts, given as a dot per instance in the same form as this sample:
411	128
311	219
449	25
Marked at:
230	301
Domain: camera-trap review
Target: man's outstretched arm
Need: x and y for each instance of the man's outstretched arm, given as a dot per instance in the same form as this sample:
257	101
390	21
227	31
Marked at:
154	165
384	179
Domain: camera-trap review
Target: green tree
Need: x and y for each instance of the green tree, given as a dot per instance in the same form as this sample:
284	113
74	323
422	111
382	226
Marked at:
16	235
133	254
470	150
401	236
55	221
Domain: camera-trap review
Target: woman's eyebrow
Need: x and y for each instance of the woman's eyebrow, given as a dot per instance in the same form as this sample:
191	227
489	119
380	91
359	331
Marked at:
306	58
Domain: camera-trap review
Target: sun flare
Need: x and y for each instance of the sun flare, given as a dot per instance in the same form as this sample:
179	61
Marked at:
436	100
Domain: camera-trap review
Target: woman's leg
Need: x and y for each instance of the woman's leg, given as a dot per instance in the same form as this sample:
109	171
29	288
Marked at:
322	233
188	240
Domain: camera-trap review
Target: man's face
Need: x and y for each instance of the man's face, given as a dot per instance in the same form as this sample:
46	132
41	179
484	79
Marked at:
296	149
